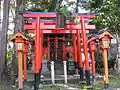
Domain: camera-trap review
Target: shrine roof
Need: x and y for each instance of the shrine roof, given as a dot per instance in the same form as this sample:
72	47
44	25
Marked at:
29	12
92	38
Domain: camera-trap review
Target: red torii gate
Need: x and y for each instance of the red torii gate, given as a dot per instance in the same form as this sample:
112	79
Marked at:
39	24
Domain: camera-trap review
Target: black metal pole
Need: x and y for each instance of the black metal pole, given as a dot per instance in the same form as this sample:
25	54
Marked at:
87	74
106	86
93	79
81	72
37	80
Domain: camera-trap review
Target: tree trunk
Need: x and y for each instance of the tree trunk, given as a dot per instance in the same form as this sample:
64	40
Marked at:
53	6
20	5
19	18
3	39
117	65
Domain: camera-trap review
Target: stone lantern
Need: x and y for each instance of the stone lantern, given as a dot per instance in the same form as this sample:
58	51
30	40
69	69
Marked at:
104	39
20	40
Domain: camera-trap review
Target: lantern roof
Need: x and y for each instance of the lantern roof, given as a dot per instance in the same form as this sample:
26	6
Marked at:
92	38
105	33
18	34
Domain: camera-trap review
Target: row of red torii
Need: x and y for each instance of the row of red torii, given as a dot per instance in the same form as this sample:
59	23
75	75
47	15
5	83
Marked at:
40	23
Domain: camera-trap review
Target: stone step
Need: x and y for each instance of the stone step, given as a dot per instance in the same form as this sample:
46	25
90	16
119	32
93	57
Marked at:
58	79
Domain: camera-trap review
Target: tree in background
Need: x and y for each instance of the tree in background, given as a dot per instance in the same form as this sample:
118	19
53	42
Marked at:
38	5
3	41
43	5
109	18
20	6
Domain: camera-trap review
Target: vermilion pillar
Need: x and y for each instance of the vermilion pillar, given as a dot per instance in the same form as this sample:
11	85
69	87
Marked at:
25	66
84	39
75	52
56	46
25	59
93	65
92	48
105	63
20	70
75	48
41	49
64	49
37	46
48	48
79	55
38	54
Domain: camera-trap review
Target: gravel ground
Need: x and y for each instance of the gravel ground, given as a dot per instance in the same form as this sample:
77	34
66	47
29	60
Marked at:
114	83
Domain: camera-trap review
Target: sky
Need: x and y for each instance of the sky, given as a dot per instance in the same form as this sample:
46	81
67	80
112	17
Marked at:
72	7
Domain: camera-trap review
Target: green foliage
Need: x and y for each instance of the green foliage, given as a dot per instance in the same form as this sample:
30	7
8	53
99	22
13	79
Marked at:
38	5
10	55
10	50
111	62
109	14
26	33
64	10
99	62
31	37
